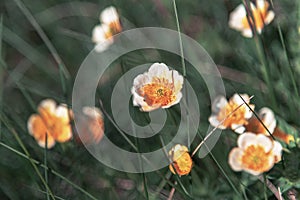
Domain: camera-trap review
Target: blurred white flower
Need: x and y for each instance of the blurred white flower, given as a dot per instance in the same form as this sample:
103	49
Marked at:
221	108
102	35
255	154
261	14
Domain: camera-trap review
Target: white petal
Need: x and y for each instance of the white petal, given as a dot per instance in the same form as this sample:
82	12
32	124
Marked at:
277	150
238	128
246	140
236	16
239	100
100	47
260	4
234	159
178	81
49	105
141	80
218	103
270	16
159	70
248	113
247	33
99	33
50	143
63	113
215	122
265	142
31	119
109	15
268	118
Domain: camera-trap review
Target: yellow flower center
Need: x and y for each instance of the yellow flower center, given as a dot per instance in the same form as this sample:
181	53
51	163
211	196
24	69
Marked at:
237	117
157	94
256	159
183	165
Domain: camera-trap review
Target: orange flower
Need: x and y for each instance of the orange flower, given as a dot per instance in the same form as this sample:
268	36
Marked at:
52	121
255	154
261	14
267	116
110	25
90	126
238	119
157	88
181	159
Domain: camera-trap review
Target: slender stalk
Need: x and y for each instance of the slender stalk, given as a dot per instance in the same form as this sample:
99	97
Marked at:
45	163
220	167
290	68
180	40
260	52
265	187
46	40
28	155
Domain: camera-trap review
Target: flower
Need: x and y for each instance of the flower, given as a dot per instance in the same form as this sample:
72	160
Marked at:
52	121
110	25
287	138
262	16
239	116
90	125
182	161
157	88
266	115
255	154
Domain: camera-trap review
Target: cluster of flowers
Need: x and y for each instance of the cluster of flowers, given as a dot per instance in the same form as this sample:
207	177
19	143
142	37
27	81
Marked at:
53	124
243	19
161	87
257	151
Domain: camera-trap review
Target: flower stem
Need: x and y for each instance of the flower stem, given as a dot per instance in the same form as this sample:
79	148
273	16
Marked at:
180	40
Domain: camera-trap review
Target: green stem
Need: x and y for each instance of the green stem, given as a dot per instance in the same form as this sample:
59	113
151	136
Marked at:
290	68
265	187
28	155
46	40
180	40
45	163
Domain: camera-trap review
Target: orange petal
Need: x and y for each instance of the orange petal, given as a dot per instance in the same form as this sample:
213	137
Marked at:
38	130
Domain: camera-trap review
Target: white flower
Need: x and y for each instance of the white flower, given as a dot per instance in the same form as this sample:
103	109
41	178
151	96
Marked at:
261	13
90	125
266	115
255	154
102	35
222	108
157	88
